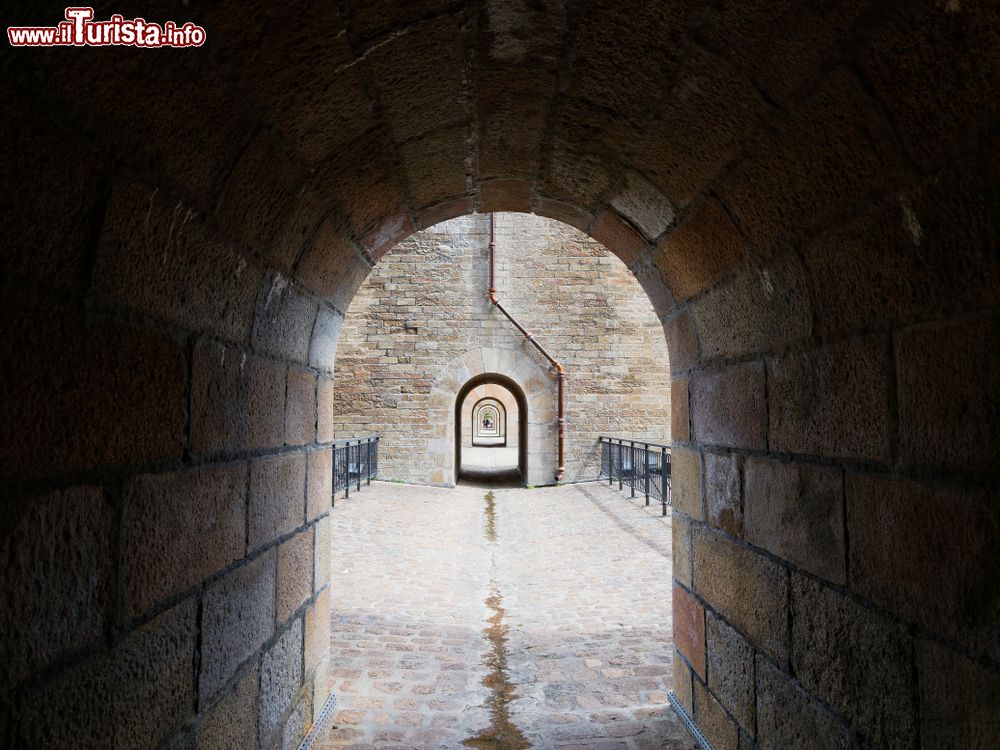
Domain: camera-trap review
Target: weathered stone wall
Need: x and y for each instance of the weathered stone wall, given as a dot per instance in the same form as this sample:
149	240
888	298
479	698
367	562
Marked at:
426	303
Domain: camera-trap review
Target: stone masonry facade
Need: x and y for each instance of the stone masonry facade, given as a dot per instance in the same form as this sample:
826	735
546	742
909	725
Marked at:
425	304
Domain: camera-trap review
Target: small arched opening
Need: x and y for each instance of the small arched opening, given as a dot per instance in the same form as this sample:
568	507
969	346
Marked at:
482	454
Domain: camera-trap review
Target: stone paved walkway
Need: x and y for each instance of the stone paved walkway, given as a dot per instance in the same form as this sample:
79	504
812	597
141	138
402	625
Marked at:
538	619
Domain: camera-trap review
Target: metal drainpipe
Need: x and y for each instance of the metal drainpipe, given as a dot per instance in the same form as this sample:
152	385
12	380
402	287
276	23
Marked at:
560	372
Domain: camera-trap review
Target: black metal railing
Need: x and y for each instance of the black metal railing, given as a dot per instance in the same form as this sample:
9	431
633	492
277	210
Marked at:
354	460
642	467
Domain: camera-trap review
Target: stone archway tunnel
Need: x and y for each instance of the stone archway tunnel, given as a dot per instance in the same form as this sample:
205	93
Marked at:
807	192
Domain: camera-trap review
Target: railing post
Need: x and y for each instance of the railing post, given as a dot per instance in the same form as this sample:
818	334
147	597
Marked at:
632	462
621	452
664	483
611	464
333	486
368	461
645	470
359	465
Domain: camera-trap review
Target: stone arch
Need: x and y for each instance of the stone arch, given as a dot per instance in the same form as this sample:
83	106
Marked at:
525	374
488	420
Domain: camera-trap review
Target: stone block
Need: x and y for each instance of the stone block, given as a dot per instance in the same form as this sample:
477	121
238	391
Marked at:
749	590
680	426
130	696
759	311
915	38
921	253
958	700
48	217
296	724
730	670
682	683
83	395
158	257
237	401
506	195
285	319
855	660
788	718
317	631
723	493
332	267
277	497
641	202
729	408
682	340
178	529
55	595
713	720
796	511
280	677
300	407
704	249
324	551
237	618
832	401
708	113
618	236
295	574
681	547
928	554
324	409
435	165
685	482
949	394
849	148
689	628
323	347
509	103
232	722
319	482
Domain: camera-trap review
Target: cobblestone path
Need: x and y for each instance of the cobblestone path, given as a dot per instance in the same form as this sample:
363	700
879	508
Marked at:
532	618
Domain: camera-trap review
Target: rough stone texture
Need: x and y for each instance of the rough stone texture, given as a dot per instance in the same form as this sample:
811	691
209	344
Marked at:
855	660
280	677
232	722
332	267
127	697
728	407
611	231
939	537
712	109
323	347
319	482
237	617
685	482
424	306
723	493
641	203
295	572
916	41
277	497
958	705
192	279
704	249
317	629
324	410
284	321
177	530
759	310
680	418
796	511
682	683
84	394
833	401
749	590
55	595
681	545
849	149
45	238
682	338
689	629
944	377
237	400
300	408
295	726
730	670
321	570
789	719
713	720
